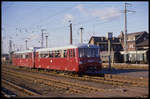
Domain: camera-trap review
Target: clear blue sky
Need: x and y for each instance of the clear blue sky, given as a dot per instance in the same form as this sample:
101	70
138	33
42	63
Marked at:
24	20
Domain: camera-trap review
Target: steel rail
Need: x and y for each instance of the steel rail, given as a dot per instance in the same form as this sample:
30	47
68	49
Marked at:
29	92
107	79
71	88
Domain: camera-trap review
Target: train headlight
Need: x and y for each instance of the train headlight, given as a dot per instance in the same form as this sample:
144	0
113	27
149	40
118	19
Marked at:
80	62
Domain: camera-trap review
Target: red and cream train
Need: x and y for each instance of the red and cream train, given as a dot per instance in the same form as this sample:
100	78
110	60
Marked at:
75	58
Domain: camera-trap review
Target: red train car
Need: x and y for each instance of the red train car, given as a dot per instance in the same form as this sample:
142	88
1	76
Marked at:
23	58
74	58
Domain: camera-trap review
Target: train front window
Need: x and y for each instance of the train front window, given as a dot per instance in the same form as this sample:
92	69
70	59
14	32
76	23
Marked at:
88	52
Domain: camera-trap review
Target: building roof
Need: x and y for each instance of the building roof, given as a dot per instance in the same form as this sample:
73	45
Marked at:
134	33
144	43
103	39
137	33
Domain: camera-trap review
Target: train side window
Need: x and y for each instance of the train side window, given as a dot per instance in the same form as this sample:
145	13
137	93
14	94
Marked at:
65	53
81	52
57	53
17	56
50	54
62	53
41	55
85	52
89	52
21	56
73	52
70	53
24	56
30	55
46	55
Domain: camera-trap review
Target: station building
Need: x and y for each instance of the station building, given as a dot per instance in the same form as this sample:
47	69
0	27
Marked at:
137	47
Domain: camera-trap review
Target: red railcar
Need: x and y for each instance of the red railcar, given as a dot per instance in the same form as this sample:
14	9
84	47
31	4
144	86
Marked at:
74	58
23	58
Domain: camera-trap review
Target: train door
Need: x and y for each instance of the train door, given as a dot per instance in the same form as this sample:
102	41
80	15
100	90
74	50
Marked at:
33	59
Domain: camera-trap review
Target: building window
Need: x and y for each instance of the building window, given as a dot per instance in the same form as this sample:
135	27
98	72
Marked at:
131	46
102	47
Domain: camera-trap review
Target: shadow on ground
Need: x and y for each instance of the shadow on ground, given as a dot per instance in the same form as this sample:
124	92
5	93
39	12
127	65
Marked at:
132	72
119	71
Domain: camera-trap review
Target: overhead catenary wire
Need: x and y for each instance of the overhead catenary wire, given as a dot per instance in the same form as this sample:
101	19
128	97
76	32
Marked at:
56	14
49	17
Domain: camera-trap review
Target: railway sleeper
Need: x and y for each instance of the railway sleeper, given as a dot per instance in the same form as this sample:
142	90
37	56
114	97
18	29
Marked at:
20	88
50	84
62	87
127	82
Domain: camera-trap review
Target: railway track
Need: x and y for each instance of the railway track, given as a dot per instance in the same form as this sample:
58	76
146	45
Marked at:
75	88
71	87
23	90
107	79
43	82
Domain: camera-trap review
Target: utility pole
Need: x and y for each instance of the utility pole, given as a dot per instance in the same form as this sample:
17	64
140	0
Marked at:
109	37
70	32
125	33
81	35
42	30
46	41
14	46
10	46
10	51
26	44
109	54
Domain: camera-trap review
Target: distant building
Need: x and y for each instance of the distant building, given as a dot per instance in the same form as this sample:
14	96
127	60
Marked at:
143	45
137	46
102	42
133	39
4	57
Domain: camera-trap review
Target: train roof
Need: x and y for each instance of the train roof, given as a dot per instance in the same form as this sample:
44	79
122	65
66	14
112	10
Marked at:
31	49
25	51
69	46
59	48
